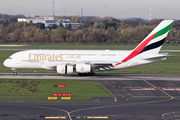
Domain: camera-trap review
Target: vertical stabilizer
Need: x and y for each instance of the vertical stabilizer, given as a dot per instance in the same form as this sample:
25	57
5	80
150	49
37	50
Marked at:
153	42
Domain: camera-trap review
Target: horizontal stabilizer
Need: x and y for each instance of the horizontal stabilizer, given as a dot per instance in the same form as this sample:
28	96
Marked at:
158	58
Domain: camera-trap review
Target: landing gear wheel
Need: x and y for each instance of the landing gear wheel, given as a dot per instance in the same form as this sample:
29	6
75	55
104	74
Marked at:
93	74
14	73
80	74
87	74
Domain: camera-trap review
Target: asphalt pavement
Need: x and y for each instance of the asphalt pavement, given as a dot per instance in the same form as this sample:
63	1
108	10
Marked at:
133	100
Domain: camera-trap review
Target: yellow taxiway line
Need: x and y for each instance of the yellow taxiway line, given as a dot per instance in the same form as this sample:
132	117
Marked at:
55	117
97	117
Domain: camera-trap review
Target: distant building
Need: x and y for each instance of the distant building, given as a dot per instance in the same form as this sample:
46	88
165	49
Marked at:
64	21
22	20
47	18
74	25
49	21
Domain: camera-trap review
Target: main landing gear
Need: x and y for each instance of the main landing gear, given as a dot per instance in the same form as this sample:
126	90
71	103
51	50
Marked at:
87	74
14	71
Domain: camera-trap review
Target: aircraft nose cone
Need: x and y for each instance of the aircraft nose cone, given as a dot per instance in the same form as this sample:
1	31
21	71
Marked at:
5	63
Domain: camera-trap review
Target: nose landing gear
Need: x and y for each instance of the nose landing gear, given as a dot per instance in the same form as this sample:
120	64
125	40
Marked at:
14	71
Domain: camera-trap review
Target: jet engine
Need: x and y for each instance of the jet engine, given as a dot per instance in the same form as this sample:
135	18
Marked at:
83	68
64	69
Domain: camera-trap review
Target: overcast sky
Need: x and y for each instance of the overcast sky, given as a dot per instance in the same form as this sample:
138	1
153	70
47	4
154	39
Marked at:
165	9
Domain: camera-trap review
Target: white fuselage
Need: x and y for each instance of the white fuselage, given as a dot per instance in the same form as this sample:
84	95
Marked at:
49	59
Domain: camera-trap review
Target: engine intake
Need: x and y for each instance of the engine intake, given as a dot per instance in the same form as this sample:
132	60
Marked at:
64	69
83	68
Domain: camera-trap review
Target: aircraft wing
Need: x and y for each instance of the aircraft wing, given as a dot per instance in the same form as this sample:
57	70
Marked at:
102	65
96	65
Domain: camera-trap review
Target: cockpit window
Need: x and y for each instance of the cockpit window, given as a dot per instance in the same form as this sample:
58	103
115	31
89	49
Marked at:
10	58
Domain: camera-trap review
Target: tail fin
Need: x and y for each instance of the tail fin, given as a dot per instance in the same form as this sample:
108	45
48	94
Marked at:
153	42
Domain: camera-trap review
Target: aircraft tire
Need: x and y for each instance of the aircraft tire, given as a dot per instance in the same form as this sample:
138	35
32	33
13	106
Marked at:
87	74
14	73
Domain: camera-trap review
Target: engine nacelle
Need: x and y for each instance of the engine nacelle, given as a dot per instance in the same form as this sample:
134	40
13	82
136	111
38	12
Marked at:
83	68
64	69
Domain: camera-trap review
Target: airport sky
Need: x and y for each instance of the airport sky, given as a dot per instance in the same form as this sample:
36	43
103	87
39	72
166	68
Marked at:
164	9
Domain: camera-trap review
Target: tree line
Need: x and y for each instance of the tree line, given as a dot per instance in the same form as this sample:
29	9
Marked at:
94	30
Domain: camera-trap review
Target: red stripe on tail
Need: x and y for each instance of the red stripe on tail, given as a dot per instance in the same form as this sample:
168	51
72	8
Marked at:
138	49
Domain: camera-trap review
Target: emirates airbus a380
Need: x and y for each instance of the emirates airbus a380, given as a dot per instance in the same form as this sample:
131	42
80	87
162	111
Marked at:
86	62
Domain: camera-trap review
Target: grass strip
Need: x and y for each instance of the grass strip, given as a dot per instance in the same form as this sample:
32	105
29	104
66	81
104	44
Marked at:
42	89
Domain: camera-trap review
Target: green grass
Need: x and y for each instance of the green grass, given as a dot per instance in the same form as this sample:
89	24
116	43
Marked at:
41	89
164	47
95	47
29	87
